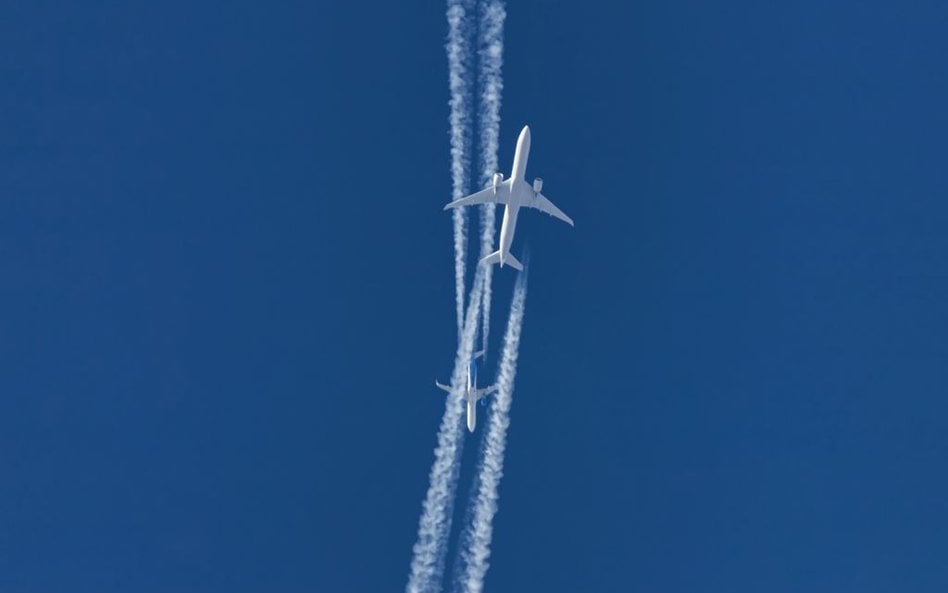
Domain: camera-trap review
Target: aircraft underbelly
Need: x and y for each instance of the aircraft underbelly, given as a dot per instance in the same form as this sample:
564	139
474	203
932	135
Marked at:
471	415
508	226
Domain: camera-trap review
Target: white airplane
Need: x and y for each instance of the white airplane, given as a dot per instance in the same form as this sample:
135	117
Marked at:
471	392
513	193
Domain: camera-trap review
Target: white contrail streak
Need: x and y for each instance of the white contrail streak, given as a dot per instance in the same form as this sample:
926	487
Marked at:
434	526
427	566
476	539
490	79
459	218
459	56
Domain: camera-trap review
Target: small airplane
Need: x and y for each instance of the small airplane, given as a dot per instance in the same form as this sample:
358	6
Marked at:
471	392
513	193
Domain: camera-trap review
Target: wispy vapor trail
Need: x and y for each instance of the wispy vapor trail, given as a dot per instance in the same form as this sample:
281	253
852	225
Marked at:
490	78
429	552
434	526
491	52
476	538
459	54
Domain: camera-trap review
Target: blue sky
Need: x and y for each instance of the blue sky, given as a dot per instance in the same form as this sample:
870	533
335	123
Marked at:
228	288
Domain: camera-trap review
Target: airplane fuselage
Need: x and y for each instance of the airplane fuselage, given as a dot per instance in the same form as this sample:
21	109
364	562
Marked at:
470	396
471	414
521	154
518	185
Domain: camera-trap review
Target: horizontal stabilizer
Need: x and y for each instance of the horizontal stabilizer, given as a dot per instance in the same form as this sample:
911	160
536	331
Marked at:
482	393
509	260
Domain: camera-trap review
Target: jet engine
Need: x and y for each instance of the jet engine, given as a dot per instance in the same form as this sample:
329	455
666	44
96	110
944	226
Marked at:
498	179
537	185
483	401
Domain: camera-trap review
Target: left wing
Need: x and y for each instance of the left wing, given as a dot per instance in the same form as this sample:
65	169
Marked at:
541	203
485	196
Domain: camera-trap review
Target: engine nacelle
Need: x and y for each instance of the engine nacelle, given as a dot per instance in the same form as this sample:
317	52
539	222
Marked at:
498	179
537	185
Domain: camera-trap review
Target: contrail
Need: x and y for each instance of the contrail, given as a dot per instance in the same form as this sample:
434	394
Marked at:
429	552
475	540
434	526
491	52
459	55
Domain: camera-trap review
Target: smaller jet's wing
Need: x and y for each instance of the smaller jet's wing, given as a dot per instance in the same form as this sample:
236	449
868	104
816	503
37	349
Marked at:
484	392
443	387
540	202
485	196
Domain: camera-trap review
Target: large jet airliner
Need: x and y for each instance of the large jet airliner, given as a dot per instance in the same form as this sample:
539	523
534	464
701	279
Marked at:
513	193
471	392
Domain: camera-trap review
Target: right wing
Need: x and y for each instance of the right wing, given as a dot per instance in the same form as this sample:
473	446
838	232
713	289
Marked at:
543	204
485	196
480	393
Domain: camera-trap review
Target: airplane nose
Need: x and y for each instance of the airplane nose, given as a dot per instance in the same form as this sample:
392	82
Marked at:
525	133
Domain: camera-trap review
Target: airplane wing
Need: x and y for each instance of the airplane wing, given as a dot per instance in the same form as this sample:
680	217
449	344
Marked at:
540	202
481	393
485	196
443	387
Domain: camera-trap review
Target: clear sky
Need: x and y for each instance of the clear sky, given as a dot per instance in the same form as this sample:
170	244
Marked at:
227	289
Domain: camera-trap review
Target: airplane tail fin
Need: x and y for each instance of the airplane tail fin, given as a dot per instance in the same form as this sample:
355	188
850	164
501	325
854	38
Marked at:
509	260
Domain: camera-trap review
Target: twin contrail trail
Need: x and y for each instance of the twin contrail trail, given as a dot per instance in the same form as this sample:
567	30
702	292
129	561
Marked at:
430	550
476	539
459	55
434	526
471	566
491	53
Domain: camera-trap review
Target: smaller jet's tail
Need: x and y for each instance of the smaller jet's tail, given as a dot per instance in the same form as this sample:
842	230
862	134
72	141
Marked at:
509	260
443	387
